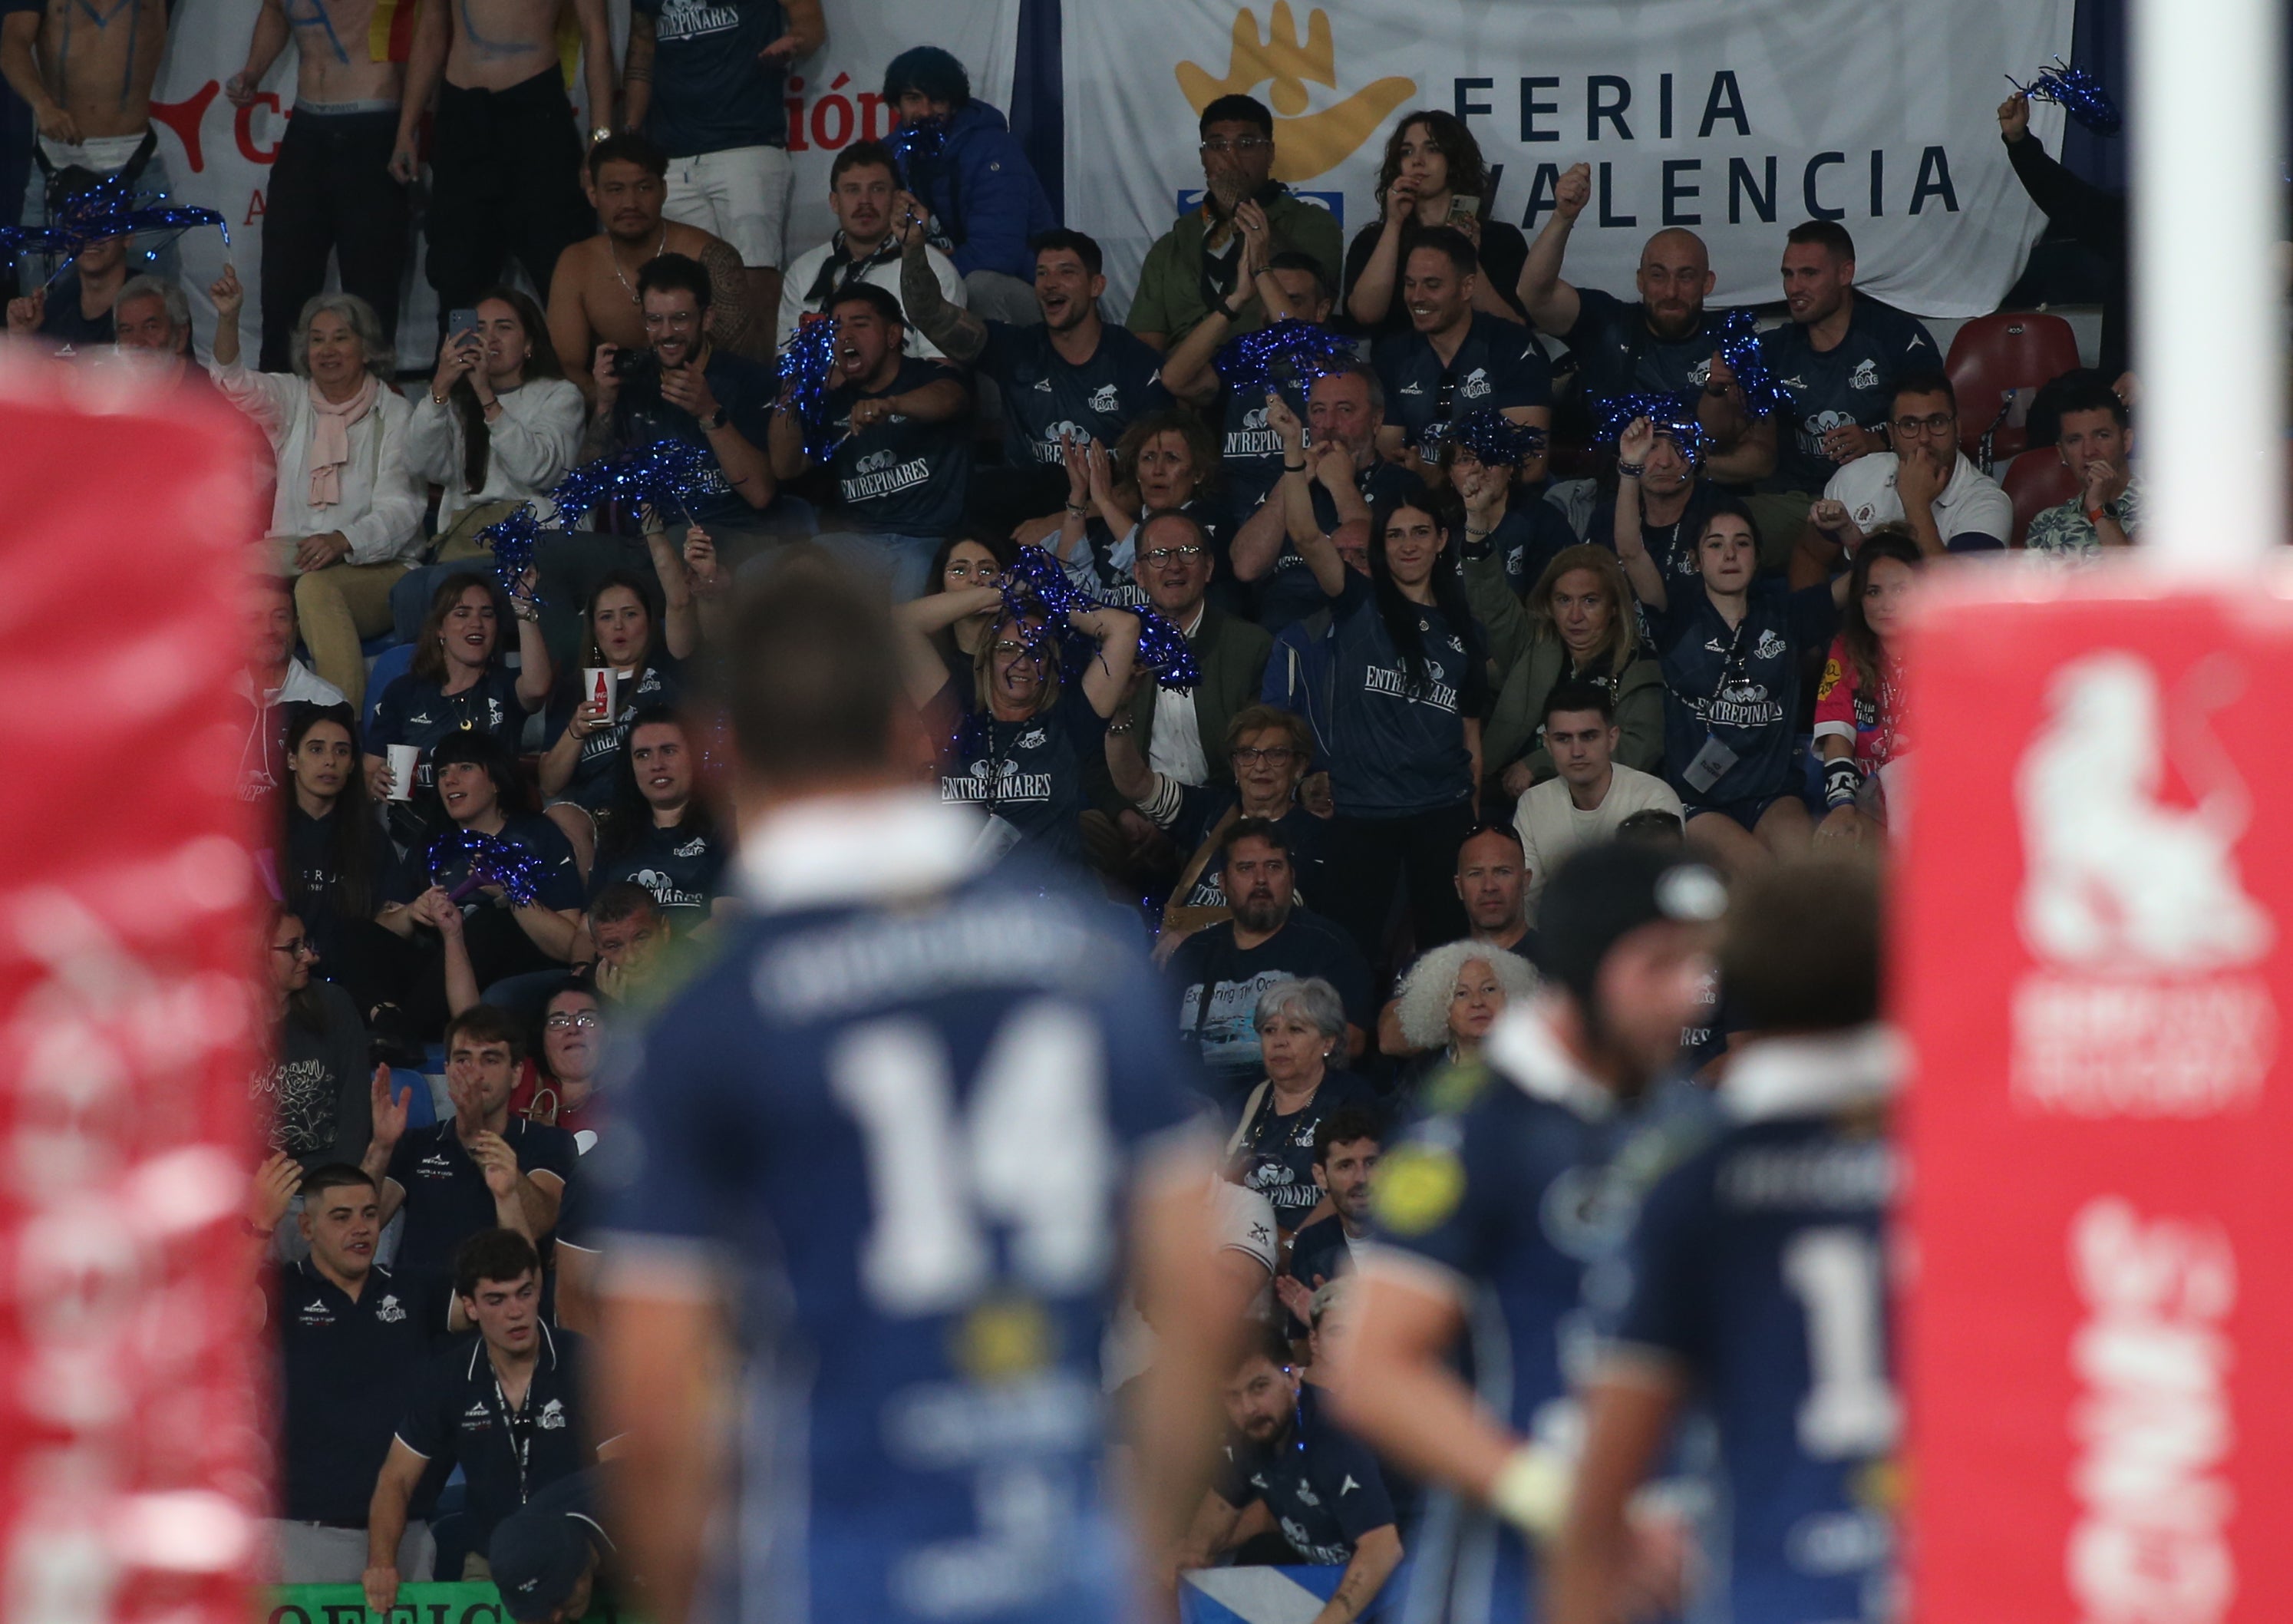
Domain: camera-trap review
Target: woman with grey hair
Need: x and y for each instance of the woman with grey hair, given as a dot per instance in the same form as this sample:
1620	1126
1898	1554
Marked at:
347	519
1450	999
1301	1031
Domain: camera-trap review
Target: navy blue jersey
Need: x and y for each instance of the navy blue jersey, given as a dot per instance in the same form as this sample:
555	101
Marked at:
745	389
1276	1154
1397	738
683	868
347	1367
1288	593
1029	772
599	762
1496	1197
1201	809
417	711
710	90
1531	534
1499	365
557	884
1045	397
1757	1272
1249	451
446	1199
902	475
1851	381
1739	685
903	1107
1616	354
459	1414
1321	1485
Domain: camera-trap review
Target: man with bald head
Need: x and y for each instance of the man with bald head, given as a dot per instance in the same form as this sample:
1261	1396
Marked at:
1662	341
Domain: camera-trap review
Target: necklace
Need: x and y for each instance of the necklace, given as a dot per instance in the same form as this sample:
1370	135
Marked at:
614	255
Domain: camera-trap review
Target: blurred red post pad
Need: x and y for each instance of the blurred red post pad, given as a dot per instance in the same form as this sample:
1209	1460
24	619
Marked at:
2095	964
132	1460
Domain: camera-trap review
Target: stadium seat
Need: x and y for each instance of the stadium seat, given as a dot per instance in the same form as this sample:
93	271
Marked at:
1997	362
2037	481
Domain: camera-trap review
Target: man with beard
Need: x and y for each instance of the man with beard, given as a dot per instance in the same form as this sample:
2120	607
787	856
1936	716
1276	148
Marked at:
1926	482
900	463
594	297
1321	1488
1075	377
1197	263
2097	445
1454	359
1490	1210
863	187
1837	359
1660	343
1327	490
1219	970
1346	1147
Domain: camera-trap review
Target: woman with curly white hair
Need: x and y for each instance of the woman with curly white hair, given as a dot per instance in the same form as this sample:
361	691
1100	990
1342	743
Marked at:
347	519
1450	999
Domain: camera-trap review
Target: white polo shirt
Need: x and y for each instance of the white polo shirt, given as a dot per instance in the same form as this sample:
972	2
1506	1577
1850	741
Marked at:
1972	505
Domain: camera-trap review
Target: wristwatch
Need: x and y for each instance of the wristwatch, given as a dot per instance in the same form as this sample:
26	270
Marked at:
600	133
714	421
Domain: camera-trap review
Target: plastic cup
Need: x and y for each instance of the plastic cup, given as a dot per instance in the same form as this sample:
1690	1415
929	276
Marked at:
404	759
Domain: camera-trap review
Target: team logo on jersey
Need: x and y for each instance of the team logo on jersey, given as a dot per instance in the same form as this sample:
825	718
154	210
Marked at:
388	1310
1770	646
1418	1185
1306	1495
2144	1003
1475	384
317	1312
1831	675
1866	375
479	1414
1106	399
697	847
552	1418
420	719
1412	388
1034	738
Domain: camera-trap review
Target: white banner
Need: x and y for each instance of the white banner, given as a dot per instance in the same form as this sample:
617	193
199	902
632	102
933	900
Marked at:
220	156
1737	117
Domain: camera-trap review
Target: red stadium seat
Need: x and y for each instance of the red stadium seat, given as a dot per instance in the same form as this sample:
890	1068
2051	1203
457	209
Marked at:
2037	481
1999	361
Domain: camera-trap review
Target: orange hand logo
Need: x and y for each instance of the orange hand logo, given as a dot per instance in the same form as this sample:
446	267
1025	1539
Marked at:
1305	144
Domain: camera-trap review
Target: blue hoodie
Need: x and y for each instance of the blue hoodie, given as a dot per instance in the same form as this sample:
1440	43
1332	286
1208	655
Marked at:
983	195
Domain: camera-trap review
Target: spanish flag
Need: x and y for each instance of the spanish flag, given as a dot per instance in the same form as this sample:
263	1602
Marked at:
390	30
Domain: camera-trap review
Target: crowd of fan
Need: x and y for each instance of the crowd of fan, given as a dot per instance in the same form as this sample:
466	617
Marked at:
1426	672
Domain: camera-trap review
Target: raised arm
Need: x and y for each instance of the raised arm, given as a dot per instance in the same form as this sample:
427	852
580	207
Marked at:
925	673
959	334
1552	303
535	676
1632	447
680	612
784	442
1258	544
1105	680
263	48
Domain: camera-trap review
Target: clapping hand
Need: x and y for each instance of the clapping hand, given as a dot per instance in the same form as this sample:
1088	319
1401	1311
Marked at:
2014	117
275	1184
1638	440
391	1110
495	1159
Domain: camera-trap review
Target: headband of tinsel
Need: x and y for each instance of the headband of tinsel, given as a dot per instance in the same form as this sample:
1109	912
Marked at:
1739	347
1255	362
491	860
1494	438
1672	415
1035	585
2076	93
659	474
806	359
98	213
917	140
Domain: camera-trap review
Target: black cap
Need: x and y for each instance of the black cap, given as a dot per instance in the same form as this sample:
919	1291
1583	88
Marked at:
538	1556
1603	893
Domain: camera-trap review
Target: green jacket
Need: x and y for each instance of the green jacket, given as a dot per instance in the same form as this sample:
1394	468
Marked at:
1531	666
1169	297
1232	654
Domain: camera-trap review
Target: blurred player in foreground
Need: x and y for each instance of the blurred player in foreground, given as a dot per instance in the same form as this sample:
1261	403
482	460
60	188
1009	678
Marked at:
905	1130
1759	1287
1487	1213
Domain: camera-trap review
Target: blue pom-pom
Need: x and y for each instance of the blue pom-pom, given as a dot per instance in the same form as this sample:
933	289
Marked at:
1739	347
806	359
1673	416
1036	585
102	211
919	140
660	475
2076	93
513	541
489	860
1289	351
1494	440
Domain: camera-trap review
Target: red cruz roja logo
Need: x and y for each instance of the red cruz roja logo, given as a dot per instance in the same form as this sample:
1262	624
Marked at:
187	117
832	122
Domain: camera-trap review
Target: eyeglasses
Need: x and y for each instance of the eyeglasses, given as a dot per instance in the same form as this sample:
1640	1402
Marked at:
1279	755
1941	423
1166	555
1004	646
299	948
564	1021
1220	146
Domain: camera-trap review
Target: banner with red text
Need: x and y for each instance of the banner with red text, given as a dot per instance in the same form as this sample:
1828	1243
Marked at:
1737	118
2095	925
220	154
132	1457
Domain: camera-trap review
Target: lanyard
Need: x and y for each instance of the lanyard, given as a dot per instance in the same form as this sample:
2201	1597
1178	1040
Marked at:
519	1423
1728	660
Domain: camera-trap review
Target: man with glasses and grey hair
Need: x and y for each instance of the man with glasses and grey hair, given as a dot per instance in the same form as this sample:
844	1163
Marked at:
1198	261
1925	483
1183	732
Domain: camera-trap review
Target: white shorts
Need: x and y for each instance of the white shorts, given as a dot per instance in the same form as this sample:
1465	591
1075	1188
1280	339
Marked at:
742	195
